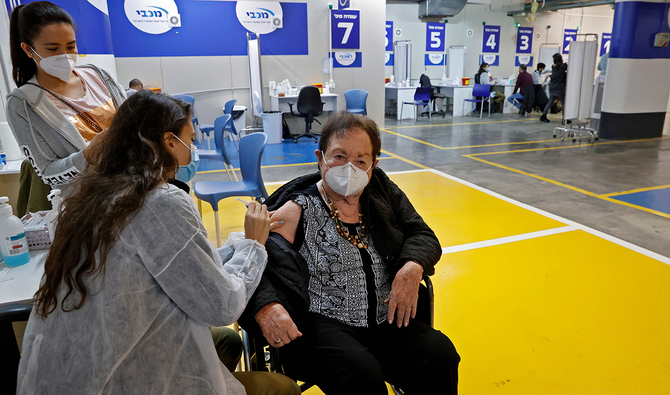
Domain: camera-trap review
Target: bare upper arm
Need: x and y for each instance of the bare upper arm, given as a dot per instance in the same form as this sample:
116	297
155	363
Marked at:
290	213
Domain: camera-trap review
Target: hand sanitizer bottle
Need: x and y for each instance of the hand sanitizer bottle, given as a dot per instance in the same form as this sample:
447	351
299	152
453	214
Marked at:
13	243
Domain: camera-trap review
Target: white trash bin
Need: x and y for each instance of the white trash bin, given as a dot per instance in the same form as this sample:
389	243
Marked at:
272	126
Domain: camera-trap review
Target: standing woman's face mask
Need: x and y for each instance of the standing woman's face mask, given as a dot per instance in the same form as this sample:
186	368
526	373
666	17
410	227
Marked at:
54	50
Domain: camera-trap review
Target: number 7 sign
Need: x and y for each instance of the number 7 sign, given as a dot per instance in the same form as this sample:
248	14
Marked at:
345	29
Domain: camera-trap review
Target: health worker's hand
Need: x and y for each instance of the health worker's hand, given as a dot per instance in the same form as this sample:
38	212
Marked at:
257	222
277	325
404	294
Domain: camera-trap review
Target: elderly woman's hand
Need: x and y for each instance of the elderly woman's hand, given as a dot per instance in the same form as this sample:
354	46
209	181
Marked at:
404	294
277	325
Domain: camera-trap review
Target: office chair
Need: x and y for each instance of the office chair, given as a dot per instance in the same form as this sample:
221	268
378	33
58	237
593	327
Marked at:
424	80
481	93
257	359
309	106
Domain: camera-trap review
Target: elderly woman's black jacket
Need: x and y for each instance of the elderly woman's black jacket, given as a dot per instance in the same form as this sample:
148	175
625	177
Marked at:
397	231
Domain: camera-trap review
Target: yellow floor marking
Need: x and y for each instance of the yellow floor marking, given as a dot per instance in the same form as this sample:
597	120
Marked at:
605	197
411	162
564	314
466	146
459	214
458	124
567	147
636	191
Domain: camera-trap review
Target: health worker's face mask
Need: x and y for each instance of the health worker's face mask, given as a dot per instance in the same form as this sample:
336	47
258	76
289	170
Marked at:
347	179
59	66
186	173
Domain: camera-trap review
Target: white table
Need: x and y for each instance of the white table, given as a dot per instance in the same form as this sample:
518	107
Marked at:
506	89
459	94
17	288
281	103
400	95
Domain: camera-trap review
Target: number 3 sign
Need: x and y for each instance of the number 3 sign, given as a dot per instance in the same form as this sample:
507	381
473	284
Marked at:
491	39
346	29
524	40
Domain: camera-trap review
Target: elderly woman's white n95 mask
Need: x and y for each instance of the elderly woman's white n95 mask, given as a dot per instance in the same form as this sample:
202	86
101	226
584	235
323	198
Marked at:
346	180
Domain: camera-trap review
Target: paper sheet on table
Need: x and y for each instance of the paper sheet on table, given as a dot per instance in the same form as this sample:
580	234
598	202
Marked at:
14	165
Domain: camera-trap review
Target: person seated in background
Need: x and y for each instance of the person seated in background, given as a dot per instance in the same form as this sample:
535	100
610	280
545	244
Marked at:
482	77
523	80
132	284
537	74
339	298
424	80
134	87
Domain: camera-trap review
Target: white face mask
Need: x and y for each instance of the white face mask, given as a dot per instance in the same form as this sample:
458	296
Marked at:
59	66
346	180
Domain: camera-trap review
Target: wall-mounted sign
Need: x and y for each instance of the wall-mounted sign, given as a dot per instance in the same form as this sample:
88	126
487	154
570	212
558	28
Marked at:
492	60
569	35
346	26
347	59
491	43
524	40
435	59
151	16
260	17
435	34
389	36
388	59
605	43
523	59
342	4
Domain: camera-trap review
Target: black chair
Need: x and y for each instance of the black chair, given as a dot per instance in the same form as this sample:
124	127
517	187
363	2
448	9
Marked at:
9	363
424	80
257	358
309	106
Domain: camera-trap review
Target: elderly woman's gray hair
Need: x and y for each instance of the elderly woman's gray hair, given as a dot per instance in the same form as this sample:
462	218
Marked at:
340	124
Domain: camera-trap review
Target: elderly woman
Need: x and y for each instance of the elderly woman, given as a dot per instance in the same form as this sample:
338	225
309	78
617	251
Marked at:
339	297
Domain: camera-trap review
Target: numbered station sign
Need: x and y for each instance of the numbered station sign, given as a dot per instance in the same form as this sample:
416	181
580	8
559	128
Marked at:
342	4
491	42
435	59
492	60
569	35
524	40
388	59
435	34
605	43
346	29
389	36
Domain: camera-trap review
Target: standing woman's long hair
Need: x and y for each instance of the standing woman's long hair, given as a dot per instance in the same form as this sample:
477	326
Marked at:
133	160
26	23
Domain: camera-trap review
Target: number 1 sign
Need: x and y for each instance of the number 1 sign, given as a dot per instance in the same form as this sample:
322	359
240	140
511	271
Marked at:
346	29
524	40
605	45
491	42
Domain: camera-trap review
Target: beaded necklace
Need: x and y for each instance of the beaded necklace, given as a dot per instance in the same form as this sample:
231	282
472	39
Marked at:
359	240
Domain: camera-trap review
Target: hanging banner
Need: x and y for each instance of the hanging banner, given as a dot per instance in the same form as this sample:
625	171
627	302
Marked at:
347	59
346	29
492	60
435	34
389	36
523	59
524	40
491	43
605	43
388	59
435	59
569	35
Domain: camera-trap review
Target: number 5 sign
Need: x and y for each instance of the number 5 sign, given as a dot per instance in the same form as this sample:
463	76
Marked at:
524	40
346	29
435	34
491	39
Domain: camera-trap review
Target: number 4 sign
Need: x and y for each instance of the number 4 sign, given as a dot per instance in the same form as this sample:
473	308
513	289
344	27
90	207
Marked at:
346	27
491	39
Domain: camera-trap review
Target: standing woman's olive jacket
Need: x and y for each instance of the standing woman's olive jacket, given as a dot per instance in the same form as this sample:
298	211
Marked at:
397	231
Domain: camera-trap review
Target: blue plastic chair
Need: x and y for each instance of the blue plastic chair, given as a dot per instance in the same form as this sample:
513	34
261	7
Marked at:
234	135
421	98
483	92
251	152
191	100
356	101
219	152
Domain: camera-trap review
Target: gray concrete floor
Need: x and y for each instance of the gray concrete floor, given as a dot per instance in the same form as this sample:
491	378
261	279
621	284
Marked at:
604	167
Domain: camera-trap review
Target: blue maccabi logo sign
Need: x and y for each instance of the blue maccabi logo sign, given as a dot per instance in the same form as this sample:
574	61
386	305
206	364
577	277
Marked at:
260	17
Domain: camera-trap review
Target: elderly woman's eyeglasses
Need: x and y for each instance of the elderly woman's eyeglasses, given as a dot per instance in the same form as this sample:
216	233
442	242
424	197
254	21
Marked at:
338	159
